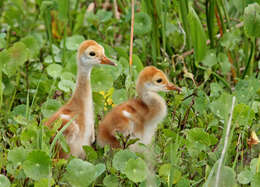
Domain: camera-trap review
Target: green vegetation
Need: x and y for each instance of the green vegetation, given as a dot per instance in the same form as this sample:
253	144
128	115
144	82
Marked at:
210	48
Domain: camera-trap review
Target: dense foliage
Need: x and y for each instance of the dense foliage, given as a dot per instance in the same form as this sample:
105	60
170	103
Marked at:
210	48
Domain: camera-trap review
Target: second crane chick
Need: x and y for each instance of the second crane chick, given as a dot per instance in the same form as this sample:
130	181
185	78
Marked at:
138	117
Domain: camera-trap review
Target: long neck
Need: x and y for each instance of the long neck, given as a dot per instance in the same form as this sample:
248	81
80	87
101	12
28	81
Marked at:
152	99
83	90
155	103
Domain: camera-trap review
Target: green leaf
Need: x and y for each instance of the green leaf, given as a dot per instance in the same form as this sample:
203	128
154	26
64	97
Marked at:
114	71
49	107
210	58
119	96
198	36
136	170
245	177
256	180
164	172
91	154
82	173
215	89
17	156
227	178
143	23
67	76
13	58
100	80
54	70
253	165
99	102
252	20
63	9
2	40
201	102
32	44
4	181
66	85
37	165
111	180
104	15
246	90
243	115
100	168
5	58
224	63
199	135
183	183
137	64
230	40
125	65
19	53
74	41
44	182
19	110
120	159
122	53
221	106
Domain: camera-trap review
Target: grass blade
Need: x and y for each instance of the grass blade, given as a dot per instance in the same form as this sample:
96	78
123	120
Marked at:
59	134
184	11
226	140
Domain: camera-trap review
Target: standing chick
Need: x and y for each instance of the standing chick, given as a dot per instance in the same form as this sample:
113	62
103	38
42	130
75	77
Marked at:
81	131
138	117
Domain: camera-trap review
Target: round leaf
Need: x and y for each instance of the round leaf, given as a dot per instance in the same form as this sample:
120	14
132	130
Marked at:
143	23
66	85
73	42
120	159
37	165
80	173
104	15
32	44
136	170
210	59
119	96
111	180
4	181
49	107
253	165
67	76
19	53
256	180
54	70
245	177
99	102
17	156
100	80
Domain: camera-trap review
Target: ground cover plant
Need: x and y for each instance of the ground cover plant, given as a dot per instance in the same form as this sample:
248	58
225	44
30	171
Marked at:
209	48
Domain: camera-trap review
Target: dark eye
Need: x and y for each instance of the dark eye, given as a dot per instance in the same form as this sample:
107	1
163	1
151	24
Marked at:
159	80
92	53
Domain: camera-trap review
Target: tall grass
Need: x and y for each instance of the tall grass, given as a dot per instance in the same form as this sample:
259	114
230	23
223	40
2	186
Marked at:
226	140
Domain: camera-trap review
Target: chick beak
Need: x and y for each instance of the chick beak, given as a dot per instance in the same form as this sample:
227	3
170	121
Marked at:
171	86
105	60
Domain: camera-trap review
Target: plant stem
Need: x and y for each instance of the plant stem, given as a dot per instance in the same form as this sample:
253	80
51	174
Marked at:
252	49
131	45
